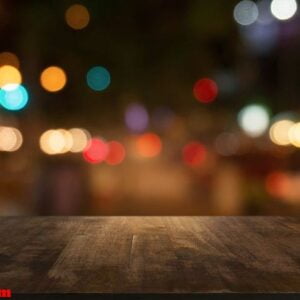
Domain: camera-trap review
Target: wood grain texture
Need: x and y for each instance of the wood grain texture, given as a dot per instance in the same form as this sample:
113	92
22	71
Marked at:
150	254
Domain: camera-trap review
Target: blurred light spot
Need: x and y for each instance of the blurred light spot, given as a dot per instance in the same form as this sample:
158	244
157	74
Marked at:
283	9
53	79
264	12
227	144
8	58
205	90
279	132
68	140
294	135
77	16
10	139
261	38
80	139
98	78
194	153
254	120
226	81
96	151
55	141
163	117
9	75
116	153
13	97
136	117
245	12
148	145
277	184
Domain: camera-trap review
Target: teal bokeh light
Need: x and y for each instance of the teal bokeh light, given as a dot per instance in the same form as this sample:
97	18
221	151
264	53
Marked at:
13	97
98	78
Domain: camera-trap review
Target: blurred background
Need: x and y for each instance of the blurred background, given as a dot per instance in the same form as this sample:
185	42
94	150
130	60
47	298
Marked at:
154	107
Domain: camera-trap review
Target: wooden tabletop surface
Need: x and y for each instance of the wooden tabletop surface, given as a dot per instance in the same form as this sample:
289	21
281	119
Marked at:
150	254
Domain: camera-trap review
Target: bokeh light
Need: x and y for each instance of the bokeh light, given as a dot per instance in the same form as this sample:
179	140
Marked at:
163	117
245	12
194	154
254	119
227	144
205	90
136	117
10	59
13	97
261	38
148	145
116	153
226	81
294	135
283	9
77	16
98	78
10	139
264	12
80	139
277	184
53	79
96	151
279	132
68	140
9	75
56	141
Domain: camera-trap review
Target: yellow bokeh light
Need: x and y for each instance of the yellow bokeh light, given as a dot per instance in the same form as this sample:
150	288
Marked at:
294	135
56	141
68	140
10	139
279	132
77	16
80	137
53	79
8	58
9	75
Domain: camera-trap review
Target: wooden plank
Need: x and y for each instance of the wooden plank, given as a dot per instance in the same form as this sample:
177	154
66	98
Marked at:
150	254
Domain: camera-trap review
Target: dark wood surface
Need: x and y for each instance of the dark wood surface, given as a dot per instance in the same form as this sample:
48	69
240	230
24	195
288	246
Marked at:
150	254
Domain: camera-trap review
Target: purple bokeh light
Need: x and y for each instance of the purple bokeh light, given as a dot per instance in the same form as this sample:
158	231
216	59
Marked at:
136	118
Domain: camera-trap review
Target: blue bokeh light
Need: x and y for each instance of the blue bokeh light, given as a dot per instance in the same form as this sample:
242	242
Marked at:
98	78
13	97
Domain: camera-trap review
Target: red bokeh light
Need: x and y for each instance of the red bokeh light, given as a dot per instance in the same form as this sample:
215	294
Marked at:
148	145
96	151
205	90
277	184
116	153
194	154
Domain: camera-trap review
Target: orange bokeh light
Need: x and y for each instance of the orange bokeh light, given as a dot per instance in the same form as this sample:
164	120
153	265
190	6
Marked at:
148	145
77	16
277	184
194	153
53	79
116	153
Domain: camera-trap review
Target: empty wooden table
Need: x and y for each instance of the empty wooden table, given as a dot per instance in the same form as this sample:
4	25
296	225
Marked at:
150	254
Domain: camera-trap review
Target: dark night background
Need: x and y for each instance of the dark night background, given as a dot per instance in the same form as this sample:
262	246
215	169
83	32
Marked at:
155	51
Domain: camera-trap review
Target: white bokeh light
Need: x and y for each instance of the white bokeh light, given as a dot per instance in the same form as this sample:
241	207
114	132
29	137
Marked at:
245	12
283	9
264	12
254	120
